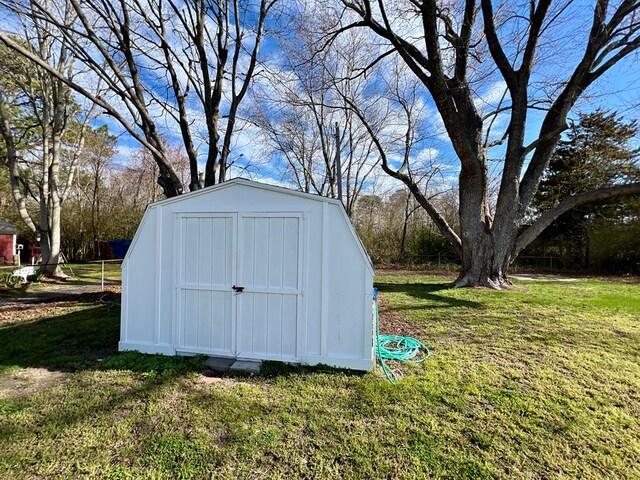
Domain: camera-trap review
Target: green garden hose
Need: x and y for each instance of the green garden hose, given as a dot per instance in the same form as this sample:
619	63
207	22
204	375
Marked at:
396	347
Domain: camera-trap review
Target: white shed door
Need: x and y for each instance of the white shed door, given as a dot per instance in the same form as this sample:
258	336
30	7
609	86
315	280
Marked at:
205	274
269	269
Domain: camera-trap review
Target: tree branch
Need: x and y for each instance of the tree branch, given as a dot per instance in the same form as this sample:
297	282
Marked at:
5	39
542	140
495	47
431	210
549	216
582	77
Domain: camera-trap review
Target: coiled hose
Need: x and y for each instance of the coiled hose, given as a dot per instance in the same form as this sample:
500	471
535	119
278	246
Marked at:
395	347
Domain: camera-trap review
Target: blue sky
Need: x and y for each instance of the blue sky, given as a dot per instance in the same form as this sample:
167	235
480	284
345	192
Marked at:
618	90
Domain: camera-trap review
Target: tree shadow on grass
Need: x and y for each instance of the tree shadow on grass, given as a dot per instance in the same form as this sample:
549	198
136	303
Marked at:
85	339
478	324
427	291
67	342
73	342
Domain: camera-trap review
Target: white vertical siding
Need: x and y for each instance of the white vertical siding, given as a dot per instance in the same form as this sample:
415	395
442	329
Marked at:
307	296
268	313
139	292
345	332
205	276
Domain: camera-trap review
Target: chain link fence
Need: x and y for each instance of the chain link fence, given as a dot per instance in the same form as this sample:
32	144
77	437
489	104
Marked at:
451	263
538	264
28	281
419	262
105	275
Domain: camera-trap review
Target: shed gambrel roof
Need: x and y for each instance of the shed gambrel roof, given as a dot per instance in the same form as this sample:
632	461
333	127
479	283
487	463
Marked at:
264	186
7	228
248	183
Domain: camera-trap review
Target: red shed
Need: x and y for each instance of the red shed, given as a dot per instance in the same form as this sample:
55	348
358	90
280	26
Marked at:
8	234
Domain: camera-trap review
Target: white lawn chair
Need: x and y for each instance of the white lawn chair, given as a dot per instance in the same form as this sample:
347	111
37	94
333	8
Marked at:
24	272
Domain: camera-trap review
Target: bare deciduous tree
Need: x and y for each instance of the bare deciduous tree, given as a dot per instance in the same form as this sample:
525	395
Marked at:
317	89
450	47
301	109
190	63
44	142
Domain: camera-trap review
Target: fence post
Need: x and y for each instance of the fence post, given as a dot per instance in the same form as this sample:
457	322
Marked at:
102	277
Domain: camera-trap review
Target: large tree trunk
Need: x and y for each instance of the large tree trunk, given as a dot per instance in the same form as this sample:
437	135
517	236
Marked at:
50	235
50	247
485	251
51	261
485	263
490	240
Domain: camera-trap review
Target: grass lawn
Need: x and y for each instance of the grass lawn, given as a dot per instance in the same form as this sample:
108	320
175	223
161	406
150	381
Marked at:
542	383
93	271
77	274
85	270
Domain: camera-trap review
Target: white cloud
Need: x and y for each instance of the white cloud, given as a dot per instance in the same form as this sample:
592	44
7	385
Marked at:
124	153
492	96
427	155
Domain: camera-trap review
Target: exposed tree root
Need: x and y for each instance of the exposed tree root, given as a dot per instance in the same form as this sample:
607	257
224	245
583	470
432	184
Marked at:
474	279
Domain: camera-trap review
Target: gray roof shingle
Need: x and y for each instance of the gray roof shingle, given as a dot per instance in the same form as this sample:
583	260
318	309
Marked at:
7	228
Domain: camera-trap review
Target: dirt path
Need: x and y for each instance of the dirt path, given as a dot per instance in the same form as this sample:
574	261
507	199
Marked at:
27	381
542	277
49	291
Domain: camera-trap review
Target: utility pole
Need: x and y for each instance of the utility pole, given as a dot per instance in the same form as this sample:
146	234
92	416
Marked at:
338	164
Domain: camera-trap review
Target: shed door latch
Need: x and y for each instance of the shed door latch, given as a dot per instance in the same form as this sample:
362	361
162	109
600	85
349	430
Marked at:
237	289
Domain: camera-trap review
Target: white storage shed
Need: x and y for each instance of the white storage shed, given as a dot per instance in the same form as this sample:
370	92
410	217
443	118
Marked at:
249	271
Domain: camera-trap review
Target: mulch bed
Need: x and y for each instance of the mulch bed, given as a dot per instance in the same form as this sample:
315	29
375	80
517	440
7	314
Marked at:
393	322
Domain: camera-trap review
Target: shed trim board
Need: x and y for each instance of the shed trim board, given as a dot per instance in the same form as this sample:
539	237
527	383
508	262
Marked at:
325	280
307	279
302	300
157	306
